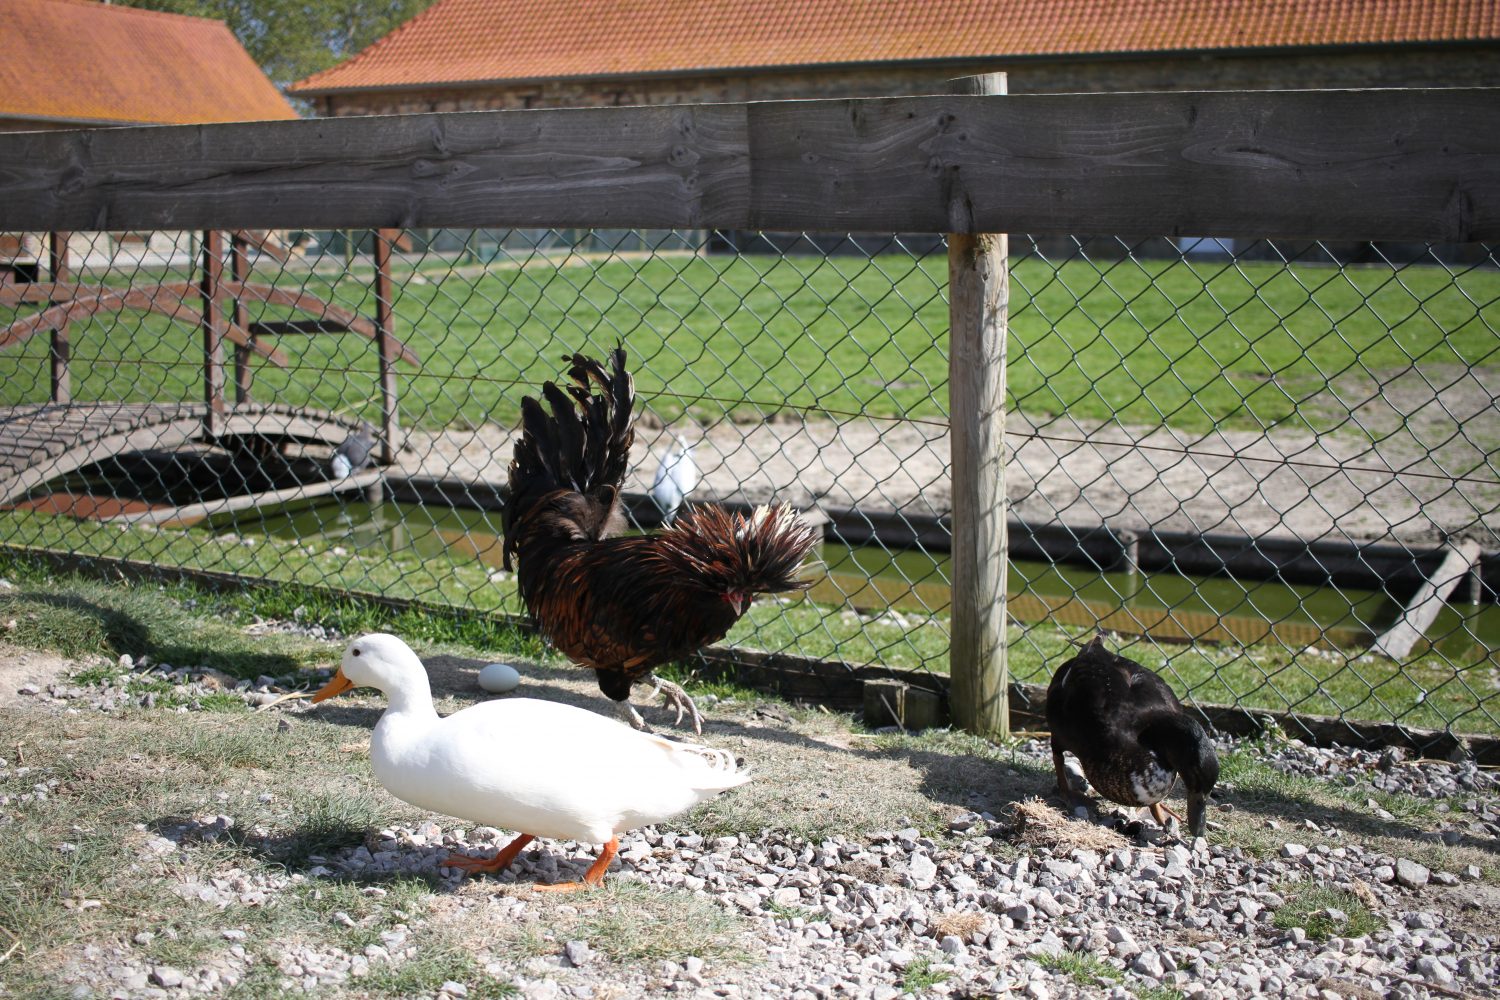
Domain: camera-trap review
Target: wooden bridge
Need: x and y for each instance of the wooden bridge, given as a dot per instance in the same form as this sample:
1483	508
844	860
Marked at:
40	442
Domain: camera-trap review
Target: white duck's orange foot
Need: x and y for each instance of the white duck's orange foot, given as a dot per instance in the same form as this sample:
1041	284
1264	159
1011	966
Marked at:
593	878
489	866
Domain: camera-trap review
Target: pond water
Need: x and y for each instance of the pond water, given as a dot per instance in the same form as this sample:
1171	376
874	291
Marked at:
914	584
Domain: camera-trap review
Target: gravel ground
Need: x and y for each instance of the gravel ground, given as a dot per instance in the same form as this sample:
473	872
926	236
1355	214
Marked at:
1004	896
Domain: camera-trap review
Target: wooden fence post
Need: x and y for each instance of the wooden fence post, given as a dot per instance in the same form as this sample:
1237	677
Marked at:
385	332
977	299
57	270
213	331
239	272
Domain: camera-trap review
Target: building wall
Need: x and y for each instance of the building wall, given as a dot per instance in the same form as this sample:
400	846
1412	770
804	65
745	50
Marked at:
1412	67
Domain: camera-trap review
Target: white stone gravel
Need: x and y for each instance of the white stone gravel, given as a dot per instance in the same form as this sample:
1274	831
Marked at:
966	912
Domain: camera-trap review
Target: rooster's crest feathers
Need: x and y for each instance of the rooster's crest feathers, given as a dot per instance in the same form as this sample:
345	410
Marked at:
722	552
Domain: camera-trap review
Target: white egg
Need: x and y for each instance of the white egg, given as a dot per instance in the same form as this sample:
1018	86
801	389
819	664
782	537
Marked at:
498	678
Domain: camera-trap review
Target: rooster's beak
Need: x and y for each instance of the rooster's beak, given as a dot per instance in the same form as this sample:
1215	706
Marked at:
337	686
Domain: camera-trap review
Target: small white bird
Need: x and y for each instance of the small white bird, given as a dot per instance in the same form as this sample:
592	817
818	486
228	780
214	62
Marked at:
538	767
676	477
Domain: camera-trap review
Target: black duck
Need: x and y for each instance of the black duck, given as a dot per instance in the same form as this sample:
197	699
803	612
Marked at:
1130	733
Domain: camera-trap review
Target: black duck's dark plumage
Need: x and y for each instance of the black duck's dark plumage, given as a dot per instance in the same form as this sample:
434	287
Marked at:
1130	733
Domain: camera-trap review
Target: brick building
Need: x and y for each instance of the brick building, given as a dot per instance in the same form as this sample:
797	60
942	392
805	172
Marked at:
77	63
477	54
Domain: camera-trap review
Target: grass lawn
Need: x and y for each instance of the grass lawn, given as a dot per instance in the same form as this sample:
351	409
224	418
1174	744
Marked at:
1191	345
1433	691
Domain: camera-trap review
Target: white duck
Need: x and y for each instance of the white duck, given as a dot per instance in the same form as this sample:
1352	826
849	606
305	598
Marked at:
544	769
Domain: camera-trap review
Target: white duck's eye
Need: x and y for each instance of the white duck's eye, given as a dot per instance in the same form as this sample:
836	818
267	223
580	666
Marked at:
354	651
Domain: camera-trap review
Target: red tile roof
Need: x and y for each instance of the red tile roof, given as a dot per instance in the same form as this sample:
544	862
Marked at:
77	61
465	41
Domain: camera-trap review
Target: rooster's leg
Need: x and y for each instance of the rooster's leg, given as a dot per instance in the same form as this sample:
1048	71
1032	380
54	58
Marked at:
678	699
594	877
498	863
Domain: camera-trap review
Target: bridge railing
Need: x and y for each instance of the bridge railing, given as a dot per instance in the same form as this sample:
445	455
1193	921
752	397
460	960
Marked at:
713	240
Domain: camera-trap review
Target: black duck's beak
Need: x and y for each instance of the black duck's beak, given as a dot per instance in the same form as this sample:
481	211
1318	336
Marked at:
1197	813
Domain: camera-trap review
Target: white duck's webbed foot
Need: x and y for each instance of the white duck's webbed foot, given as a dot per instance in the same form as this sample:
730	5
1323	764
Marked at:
631	717
677	698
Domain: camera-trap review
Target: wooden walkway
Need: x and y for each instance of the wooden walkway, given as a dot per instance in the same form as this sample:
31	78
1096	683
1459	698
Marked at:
39	442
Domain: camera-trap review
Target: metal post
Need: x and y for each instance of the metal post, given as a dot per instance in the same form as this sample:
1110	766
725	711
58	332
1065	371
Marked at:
57	268
239	270
385	326
213	332
977	298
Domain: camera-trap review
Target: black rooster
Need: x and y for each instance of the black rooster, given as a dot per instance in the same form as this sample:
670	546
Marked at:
625	605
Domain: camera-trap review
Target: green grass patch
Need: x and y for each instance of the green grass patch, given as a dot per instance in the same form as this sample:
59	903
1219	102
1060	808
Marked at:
1157	993
330	820
429	970
1083	968
920	975
79	615
632	922
782	911
1324	912
1192	345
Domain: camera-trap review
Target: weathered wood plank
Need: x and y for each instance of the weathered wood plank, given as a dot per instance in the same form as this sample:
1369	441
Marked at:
677	166
1332	164
195	512
1397	641
1379	164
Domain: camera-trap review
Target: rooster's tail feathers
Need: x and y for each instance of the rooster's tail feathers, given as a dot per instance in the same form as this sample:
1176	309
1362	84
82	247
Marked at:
578	443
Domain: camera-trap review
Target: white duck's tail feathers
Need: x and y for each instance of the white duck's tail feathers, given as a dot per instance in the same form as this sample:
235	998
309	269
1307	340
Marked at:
708	768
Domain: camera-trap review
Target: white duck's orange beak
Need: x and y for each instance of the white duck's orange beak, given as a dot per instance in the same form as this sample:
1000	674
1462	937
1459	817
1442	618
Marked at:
337	686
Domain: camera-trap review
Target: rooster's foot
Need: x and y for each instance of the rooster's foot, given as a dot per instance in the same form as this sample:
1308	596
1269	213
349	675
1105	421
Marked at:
677	698
631	717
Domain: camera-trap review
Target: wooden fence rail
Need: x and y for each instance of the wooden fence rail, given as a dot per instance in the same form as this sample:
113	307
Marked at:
1363	165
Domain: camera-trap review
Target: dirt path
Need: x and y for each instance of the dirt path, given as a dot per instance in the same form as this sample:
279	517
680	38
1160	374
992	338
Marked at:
22	668
1423	468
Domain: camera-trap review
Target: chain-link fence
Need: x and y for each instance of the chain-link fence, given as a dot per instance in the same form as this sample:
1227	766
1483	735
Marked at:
1270	468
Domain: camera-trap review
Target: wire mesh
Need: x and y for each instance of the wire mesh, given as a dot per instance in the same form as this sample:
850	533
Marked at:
1247	459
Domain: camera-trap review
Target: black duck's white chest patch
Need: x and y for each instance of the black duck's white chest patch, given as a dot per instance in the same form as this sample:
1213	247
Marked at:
1151	783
